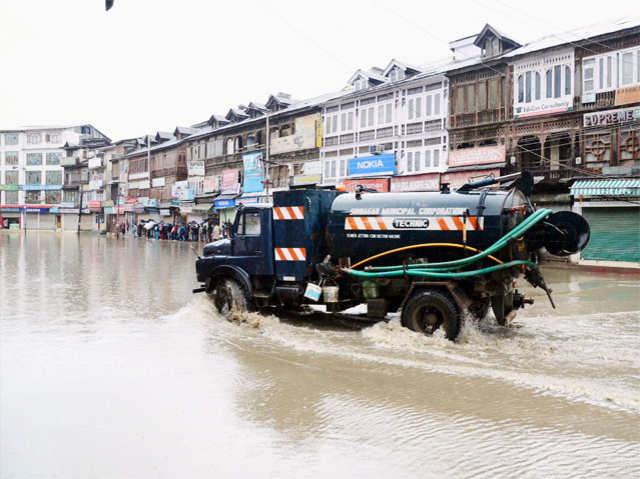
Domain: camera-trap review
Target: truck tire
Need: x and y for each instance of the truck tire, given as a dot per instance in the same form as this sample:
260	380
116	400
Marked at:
502	307
479	309
428	309
229	298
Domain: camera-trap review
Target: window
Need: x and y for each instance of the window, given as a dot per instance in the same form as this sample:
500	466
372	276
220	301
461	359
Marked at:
34	159
33	138
388	113
343	121
436	158
343	168
350	120
427	159
528	87
416	160
53	158
380	114
11	139
363	118
428	105
557	78
334	123
601	73
469	99
32	197
418	107
549	84
370	116
327	169
11	158
11	197
333	169
11	178
627	68
567	80
33	177
538	86
520	88
411	108
410	161
52	197
494	87
436	104
249	224
609	62
54	178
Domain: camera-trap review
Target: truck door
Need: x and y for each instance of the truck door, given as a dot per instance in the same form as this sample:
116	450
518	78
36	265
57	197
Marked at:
251	242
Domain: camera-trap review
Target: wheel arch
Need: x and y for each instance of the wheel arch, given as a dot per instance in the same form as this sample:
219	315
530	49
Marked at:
233	272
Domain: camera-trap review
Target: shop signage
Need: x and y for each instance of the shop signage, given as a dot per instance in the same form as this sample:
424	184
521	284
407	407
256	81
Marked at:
303	138
157	182
108	203
165	212
95	162
137	176
67	204
10	210
459	178
121	210
426	182
109	210
307	180
186	194
69	210
253	173
384	164
177	186
196	168
628	94
378	184
589	97
51	187
9	187
186	209
318	133
230	185
228	203
142	184
95	205
477	156
32	187
611	117
152	203
209	184
123	176
36	210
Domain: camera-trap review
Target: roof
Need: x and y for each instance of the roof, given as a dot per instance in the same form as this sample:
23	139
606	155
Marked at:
184	130
488	28
402	65
606	187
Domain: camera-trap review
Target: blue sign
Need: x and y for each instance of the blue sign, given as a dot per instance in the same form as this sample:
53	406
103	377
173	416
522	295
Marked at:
373	165
230	203
253	173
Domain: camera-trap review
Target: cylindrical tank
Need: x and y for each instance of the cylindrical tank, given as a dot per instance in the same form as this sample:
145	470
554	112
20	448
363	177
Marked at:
362	225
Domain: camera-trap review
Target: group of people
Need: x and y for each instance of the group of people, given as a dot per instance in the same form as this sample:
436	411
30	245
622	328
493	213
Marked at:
207	231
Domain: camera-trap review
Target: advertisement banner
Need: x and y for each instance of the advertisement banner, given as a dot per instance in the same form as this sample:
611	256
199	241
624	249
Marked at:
477	156
426	182
95	205
611	117
384	164
108	204
157	182
186	194
307	180
318	133
378	184
165	212
196	168
230	184
142	184
209	184
253	173
303	138
628	94
9	187
227	203
177	187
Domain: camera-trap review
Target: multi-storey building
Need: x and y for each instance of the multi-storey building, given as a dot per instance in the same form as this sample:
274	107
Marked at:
32	163
389	124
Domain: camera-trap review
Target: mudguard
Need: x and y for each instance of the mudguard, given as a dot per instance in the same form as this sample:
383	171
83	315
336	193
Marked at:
233	272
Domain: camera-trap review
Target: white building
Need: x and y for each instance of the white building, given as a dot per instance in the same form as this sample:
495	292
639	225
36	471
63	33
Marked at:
32	173
390	123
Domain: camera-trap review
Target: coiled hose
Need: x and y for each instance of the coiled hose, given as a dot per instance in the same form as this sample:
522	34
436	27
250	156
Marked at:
444	269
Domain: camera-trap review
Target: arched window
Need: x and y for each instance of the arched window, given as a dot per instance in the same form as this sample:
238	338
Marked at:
538	86
549	84
567	80
520	88
528	87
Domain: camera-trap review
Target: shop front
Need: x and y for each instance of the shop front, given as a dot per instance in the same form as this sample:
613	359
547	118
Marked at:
225	204
612	208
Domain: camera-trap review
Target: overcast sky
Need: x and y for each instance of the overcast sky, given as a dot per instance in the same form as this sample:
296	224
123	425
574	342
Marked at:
149	65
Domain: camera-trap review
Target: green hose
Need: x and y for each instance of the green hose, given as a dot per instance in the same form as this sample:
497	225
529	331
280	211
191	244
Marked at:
442	269
519	230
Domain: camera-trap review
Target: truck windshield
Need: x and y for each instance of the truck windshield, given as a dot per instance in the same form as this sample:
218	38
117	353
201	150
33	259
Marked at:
249	224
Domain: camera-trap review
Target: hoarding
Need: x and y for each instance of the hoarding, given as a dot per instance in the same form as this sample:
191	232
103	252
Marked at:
378	184
209	184
611	117
157	182
230	184
425	182
477	156
384	164
304	136
628	94
196	168
253	173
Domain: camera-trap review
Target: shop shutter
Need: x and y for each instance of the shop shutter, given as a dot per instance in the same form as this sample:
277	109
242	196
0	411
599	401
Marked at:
615	234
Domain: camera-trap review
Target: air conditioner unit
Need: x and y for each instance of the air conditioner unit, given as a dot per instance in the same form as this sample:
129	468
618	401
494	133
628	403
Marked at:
376	149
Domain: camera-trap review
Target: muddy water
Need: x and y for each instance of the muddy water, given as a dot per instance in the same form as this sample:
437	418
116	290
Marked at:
111	368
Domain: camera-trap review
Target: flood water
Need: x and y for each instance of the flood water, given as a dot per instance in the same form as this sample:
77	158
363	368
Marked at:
111	368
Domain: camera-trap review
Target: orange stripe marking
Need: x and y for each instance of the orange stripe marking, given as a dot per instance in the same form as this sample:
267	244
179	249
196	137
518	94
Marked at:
458	222
367	225
292	213
381	224
352	223
443	224
474	222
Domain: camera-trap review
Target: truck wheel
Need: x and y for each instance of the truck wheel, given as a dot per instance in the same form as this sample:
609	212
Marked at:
502	307
479	309
229	297
427	310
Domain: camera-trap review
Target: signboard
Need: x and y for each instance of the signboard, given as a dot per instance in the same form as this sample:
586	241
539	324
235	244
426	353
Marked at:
477	156
426	182
157	182
628	94
307	180
51	187
95	162
177	187
318	133
165	212
209	184
9	187
136	176
384	164
152	203
109	210
378	184
186	194
253	173
95	184
186	209
588	98
196	168
67	204
228	203
611	117
95	205
303	138
123	176
141	184
230	185
459	178
108	204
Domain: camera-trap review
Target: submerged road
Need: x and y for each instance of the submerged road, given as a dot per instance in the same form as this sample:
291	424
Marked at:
110	367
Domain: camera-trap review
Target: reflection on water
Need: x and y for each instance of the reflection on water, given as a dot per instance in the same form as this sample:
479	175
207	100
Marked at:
111	368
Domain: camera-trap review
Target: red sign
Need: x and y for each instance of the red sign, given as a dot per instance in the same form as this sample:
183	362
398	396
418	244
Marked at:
95	205
477	156
425	182
378	184
230	182
457	179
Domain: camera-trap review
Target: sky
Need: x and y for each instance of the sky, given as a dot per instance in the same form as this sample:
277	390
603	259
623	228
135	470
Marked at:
149	65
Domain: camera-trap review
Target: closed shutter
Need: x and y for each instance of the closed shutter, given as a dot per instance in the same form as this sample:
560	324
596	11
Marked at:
615	234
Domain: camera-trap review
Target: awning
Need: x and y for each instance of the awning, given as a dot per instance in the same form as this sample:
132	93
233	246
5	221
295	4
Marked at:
202	207
608	187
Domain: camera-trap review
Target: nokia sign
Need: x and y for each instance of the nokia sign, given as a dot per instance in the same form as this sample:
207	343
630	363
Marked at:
373	165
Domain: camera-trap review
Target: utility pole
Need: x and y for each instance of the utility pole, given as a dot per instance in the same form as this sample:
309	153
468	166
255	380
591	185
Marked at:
80	204
266	157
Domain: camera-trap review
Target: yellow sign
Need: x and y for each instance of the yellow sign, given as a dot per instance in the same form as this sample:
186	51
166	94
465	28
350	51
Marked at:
318	133
628	94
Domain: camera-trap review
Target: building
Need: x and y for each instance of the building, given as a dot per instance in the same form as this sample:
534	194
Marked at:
388	129
32	162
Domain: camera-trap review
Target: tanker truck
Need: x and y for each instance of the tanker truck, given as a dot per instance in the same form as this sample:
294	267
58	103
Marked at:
432	256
